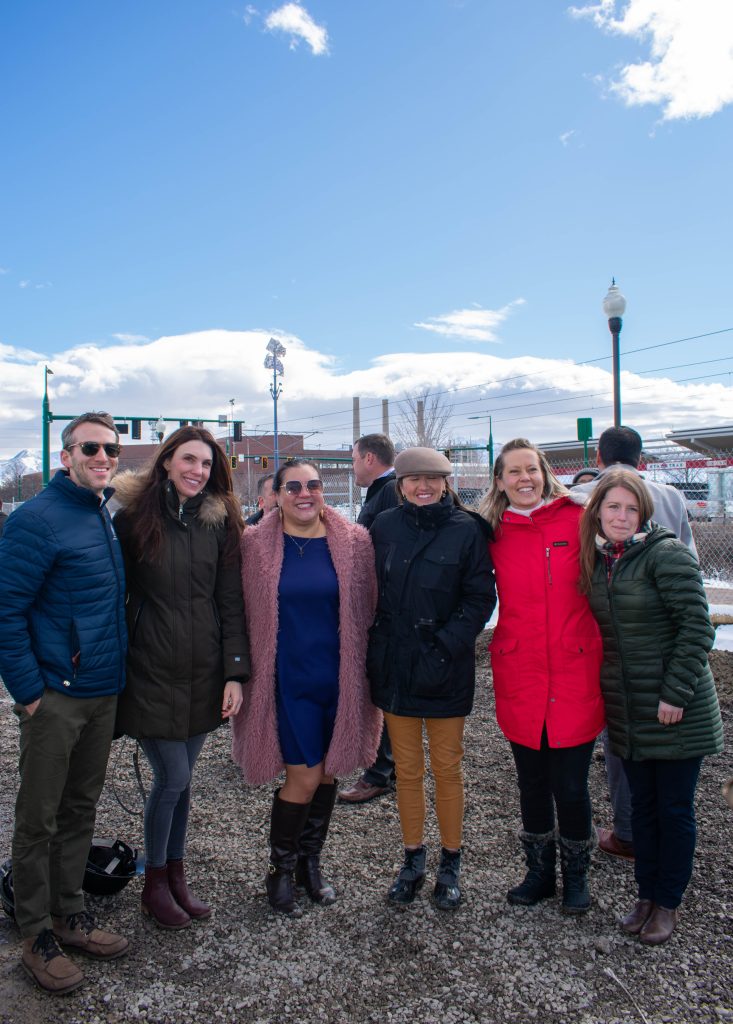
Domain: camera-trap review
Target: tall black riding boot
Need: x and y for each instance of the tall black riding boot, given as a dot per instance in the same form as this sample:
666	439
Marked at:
575	857
539	882
308	869
286	825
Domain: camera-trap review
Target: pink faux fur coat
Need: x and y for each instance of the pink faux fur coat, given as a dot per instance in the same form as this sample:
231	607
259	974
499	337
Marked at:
255	744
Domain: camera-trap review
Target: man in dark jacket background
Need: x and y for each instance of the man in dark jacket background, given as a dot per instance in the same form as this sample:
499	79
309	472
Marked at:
62	658
266	499
373	462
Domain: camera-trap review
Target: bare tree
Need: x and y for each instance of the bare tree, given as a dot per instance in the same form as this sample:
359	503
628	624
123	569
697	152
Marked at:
425	415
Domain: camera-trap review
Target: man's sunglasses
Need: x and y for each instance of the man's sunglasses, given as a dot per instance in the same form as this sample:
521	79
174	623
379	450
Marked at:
92	447
295	486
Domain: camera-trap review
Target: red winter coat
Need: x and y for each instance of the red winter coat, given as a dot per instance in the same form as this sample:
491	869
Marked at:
546	650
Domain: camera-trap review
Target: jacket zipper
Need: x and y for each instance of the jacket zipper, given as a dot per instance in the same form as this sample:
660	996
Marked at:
620	653
549	567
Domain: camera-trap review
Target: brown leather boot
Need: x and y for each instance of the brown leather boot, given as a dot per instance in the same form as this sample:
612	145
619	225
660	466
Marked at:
44	961
80	932
157	900
182	894
637	918
662	922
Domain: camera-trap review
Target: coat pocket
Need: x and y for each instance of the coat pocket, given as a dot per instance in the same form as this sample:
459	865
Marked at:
505	668
432	671
580	671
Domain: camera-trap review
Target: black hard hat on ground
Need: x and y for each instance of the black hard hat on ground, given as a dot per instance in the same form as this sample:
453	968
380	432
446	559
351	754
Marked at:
110	866
6	888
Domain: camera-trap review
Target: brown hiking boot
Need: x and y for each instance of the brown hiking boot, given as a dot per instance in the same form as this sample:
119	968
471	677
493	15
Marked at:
79	931
46	964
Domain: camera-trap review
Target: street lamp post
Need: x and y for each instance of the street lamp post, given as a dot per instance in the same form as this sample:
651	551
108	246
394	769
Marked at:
614	306
490	445
46	434
275	352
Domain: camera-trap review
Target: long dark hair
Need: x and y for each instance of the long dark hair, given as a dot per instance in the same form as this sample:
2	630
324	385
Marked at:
147	515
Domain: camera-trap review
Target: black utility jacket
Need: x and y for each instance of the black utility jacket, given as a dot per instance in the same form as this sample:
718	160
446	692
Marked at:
436	593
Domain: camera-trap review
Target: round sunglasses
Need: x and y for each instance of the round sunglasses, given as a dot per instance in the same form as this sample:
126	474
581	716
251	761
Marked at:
92	447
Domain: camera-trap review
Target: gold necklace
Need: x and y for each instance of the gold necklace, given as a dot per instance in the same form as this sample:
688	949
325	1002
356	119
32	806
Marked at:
301	547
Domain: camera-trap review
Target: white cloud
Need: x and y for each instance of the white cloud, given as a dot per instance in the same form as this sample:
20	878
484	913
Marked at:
130	339
194	376
299	25
689	72
567	136
24	284
476	324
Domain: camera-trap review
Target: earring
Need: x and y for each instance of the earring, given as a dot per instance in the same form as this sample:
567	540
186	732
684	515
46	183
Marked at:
280	512
320	515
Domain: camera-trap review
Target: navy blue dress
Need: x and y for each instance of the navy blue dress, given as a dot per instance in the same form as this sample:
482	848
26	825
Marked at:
307	651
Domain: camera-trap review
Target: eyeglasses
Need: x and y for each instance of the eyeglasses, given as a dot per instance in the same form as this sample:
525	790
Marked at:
92	447
295	486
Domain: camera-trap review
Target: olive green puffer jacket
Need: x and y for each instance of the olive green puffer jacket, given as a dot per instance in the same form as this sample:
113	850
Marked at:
656	634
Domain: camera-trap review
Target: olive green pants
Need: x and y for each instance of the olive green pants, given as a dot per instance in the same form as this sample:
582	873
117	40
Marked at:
64	748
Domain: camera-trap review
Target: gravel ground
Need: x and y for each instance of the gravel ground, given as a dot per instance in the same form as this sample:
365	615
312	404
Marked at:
362	961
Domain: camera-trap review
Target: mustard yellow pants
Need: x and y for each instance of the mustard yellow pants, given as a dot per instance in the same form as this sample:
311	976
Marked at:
445	743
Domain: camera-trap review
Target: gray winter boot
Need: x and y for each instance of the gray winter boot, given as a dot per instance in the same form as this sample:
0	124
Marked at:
539	882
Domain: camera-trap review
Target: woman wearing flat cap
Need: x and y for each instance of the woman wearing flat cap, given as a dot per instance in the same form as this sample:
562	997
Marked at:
436	592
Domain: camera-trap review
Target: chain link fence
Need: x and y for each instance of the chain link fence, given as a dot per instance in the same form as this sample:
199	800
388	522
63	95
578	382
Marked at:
706	483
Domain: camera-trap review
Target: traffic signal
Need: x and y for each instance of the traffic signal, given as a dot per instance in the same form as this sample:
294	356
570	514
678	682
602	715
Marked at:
233	461
123	428
264	462
137	429
446	452
183	423
237	430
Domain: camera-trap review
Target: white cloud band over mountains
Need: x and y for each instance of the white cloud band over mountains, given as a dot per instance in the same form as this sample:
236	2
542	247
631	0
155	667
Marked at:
193	376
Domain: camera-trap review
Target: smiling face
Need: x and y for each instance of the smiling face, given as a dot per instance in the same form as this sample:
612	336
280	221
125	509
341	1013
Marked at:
300	511
521	478
91	471
619	515
425	489
189	468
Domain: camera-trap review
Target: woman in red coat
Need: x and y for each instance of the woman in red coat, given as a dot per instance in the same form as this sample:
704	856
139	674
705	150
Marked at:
545	656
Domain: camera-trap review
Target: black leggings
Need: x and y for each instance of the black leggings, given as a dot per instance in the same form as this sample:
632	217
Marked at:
559	774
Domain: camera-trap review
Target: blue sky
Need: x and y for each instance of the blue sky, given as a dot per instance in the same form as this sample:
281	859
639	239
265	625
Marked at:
444	186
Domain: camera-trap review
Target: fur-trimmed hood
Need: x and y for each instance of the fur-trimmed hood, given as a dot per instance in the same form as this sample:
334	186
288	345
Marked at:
129	485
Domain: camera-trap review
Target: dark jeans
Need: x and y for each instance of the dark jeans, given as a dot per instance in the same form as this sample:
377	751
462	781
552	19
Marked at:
382	772
663	826
554	777
166	809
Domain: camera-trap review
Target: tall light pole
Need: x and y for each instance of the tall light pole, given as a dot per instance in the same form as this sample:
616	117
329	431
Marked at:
46	434
490	445
614	306
275	352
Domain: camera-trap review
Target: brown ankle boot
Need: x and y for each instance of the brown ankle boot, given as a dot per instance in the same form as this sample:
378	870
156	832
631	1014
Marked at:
662	922
182	894
80	932
157	900
46	964
637	918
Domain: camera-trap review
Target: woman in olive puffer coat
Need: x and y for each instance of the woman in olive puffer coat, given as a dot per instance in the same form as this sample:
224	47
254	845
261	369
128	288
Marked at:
647	594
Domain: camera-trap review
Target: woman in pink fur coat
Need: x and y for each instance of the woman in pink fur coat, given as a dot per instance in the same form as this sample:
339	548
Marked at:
310	593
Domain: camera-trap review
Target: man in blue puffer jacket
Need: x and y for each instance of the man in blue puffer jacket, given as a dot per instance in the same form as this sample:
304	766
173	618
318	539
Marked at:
62	658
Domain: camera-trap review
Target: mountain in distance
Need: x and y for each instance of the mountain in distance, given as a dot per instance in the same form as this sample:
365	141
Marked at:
25	462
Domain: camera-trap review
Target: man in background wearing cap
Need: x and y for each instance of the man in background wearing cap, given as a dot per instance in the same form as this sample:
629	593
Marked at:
373	461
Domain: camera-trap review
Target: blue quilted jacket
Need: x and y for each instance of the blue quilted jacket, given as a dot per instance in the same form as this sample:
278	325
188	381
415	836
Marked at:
62	591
